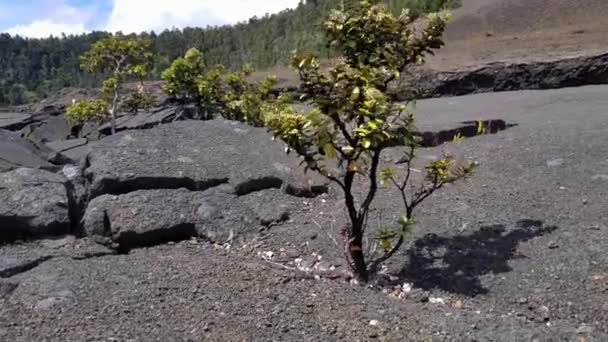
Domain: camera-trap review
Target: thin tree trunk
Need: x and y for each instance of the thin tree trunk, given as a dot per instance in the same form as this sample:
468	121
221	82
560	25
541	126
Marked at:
358	257
113	111
117	82
355	233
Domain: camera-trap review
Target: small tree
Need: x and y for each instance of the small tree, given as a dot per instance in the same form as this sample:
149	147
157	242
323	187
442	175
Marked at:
353	120
120	57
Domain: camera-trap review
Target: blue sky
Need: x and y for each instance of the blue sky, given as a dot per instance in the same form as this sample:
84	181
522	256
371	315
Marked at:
41	18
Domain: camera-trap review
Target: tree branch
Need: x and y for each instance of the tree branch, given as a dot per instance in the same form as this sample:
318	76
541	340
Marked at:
409	169
348	196
424	194
402	191
377	262
343	130
373	186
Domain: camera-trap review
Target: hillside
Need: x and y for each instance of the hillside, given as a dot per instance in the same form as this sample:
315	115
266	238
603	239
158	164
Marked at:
31	69
501	17
512	31
482	31
522	30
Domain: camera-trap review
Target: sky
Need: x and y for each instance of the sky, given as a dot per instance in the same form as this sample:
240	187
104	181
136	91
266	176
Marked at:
42	18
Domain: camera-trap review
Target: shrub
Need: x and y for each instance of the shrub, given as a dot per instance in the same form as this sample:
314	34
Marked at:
137	100
214	90
87	110
353	120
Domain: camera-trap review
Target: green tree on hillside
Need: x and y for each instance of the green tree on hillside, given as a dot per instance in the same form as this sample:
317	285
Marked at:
120	58
353	120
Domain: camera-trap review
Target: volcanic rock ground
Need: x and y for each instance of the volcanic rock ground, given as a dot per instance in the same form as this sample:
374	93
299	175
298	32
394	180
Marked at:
515	253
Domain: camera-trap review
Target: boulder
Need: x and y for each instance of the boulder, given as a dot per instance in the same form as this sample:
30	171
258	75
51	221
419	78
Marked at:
269	207
74	149
14	121
503	76
142	217
33	203
17	152
141	120
47	127
150	217
51	109
196	155
88	130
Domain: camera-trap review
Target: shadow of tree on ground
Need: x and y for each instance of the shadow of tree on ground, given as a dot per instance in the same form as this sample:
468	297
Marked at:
455	264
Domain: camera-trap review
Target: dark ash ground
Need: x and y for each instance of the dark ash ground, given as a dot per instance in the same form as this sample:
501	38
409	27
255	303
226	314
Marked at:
516	253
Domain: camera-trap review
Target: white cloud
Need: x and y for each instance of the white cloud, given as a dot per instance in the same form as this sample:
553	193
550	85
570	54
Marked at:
145	15
51	17
42	18
45	28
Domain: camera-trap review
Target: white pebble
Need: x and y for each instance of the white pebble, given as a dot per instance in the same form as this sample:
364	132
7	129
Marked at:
437	301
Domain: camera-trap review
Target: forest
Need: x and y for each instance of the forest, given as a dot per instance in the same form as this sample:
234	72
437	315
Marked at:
31	69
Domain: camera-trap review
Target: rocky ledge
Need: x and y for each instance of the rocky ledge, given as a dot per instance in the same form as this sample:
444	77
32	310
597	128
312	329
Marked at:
208	179
502	76
159	179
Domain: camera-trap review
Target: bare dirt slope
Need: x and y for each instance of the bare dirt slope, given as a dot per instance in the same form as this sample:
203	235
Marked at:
485	31
521	16
511	31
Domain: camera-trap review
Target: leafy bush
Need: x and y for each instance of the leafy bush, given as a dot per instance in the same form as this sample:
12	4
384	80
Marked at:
137	100
353	120
87	110
216	91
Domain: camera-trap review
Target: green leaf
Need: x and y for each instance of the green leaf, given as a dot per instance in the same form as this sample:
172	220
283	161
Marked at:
354	166
385	176
355	94
362	131
366	143
329	150
385	244
480	127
